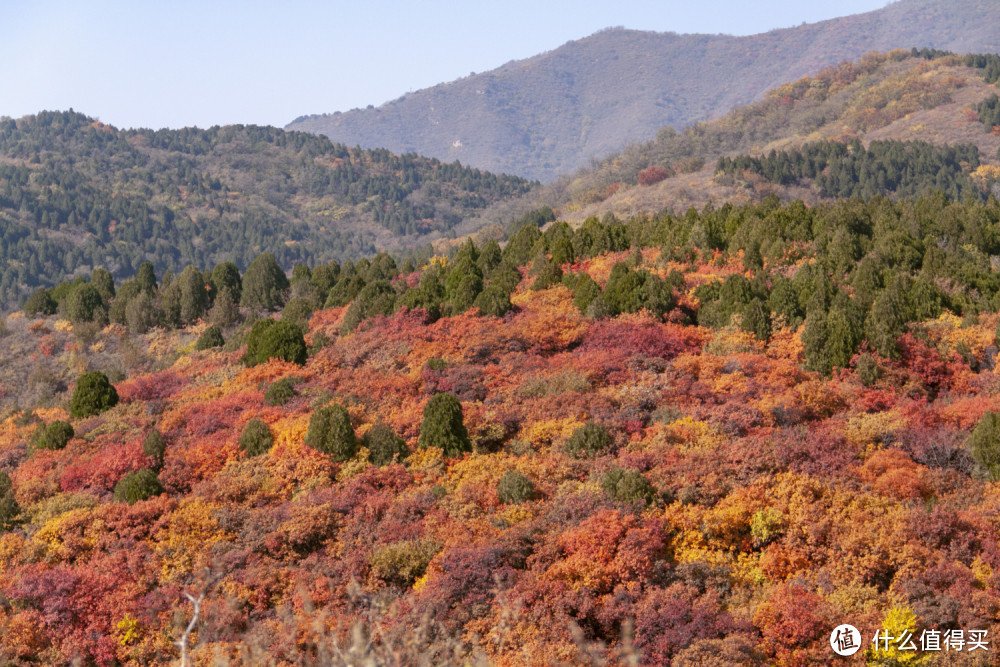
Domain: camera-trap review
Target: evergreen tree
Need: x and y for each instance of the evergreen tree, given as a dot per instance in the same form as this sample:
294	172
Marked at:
225	312
443	426
225	275
384	445
256	438
93	395
193	294
268	339
985	444
40	303
154	447
138	485
102	281
330	432
264	284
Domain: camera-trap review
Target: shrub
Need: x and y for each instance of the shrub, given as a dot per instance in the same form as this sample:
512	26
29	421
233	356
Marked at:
514	487
138	485
210	338
443	425
402	563
588	441
280	392
93	395
256	438
330	432
628	486
53	436
652	175
384	445
154	446
985	444
268	339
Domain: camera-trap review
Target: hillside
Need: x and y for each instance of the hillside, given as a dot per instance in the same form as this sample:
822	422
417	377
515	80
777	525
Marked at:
76	194
899	97
692	440
548	115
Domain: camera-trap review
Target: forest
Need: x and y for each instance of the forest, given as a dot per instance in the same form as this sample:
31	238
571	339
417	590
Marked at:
689	439
76	194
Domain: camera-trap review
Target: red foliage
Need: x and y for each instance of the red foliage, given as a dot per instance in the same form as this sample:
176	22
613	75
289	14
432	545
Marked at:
103	470
151	387
653	175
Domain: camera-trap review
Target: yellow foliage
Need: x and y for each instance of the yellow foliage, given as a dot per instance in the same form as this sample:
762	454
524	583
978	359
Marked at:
872	427
66	536
982	571
985	174
479	469
12	548
190	532
63	326
515	514
547	431
357	465
426	461
419	584
692	434
900	623
128	630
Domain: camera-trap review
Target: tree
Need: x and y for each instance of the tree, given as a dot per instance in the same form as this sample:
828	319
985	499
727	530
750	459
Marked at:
9	509
84	304
256	438
193	294
515	487
53	436
264	284
330	432
146	278
225	275
154	447
493	301
443	426
280	392
588	441
385	446
628	486
757	320
40	303
138	485
985	444
93	395
102	281
268	339
210	337
224	311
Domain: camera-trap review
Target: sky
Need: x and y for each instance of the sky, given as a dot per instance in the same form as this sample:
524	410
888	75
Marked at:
140	63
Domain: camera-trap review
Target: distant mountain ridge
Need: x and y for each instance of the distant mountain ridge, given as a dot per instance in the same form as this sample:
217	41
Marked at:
549	114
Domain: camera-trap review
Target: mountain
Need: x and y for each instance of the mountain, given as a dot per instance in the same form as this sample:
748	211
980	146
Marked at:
712	439
549	114
77	194
925	101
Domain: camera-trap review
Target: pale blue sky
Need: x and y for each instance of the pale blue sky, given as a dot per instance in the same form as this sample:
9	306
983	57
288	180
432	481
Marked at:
140	63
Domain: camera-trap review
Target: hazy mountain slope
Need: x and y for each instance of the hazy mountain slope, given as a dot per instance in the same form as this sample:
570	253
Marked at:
549	114
882	97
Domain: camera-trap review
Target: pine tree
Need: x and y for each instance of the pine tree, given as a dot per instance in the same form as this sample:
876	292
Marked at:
264	284
443	426
330	432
